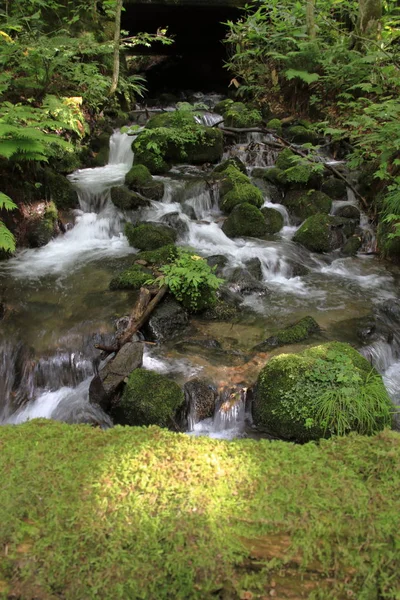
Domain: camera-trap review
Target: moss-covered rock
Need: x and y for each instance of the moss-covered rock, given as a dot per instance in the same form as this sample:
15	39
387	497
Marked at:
171	119
221	107
158	257
239	115
298	332
194	144
60	190
325	390
43	227
148	399
302	204
245	220
273	219
124	199
241	193
334	188
285	160
348	211
301	135
231	162
221	311
131	279
324	233
140	180
352	246
275	124
276	176
149	236
230	178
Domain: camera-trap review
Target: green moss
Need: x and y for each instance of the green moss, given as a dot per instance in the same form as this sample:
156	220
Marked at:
149	236
159	148
138	176
352	246
131	279
301	135
60	190
240	115
273	219
334	188
285	160
158	257
242	193
304	204
275	176
148	399
124	199
231	162
171	119
292	334
146	513
230	178
245	220
316	233
223	106
329	389
275	124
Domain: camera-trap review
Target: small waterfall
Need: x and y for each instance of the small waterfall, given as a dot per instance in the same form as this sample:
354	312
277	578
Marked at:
280	208
209	119
230	418
368	237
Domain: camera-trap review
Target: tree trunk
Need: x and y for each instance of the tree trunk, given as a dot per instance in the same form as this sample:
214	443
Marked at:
369	18
117	35
310	19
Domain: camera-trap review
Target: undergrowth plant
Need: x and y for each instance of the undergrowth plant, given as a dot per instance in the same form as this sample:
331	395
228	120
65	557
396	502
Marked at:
191	280
7	240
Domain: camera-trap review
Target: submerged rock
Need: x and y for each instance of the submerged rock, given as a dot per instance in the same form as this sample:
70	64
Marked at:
298	332
294	402
242	281
148	399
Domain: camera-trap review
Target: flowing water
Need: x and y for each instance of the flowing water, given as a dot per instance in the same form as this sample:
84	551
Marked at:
58	304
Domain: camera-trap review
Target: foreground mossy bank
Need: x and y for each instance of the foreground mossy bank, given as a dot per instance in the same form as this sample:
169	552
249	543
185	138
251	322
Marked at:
145	513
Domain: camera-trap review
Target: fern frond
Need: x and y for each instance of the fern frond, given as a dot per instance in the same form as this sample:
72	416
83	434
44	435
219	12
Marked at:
7	240
6	202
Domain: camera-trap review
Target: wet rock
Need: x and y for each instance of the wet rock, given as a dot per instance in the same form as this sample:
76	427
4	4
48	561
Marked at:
270	191
254	267
229	296
175	221
149	236
139	179
245	220
298	269
219	261
298	332
273	219
242	281
105	386
168	320
348	211
43	224
149	399
200	398
334	188
302	204
131	279
240	194
390	308
60	190
231	162
124	199
352	246
221	311
324	233
189	211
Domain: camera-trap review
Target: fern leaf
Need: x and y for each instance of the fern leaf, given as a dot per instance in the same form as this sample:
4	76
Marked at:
7	240
303	75
6	202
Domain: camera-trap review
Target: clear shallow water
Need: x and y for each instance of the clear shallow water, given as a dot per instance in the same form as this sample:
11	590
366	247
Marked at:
58	299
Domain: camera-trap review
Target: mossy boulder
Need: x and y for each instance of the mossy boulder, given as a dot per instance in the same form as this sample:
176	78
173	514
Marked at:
231	177
325	390
324	233
140	180
302	204
43	227
171	119
193	144
241	193
240	115
275	176
285	160
273	219
221	107
352	246
231	162
124	199
298	332
158	257
60	190
131	279
301	135
149	236
275	124
348	211
148	399
334	188
245	220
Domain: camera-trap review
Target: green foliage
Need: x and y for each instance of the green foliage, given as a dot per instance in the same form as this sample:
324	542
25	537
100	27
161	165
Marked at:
130	279
119	509
7	240
191	280
325	390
